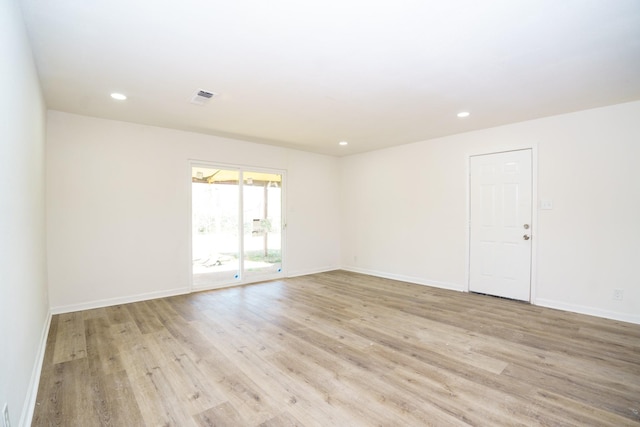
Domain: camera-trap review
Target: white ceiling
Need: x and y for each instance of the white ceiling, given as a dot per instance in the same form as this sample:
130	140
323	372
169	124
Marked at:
307	74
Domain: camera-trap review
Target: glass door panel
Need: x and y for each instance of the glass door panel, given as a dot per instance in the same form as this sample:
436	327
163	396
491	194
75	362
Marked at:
236	226
215	195
262	223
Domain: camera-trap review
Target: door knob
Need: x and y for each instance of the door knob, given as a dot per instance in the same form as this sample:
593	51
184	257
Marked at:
526	237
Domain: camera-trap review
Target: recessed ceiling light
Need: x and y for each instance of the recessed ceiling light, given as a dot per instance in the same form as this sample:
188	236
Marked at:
462	114
118	96
343	143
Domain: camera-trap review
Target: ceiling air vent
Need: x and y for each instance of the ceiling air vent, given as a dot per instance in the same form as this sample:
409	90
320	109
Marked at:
202	96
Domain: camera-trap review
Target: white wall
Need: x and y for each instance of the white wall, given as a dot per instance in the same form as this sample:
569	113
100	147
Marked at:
313	214
118	207
405	209
401	212
23	293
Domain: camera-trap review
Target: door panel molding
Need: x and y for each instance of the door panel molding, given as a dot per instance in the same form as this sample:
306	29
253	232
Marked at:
533	231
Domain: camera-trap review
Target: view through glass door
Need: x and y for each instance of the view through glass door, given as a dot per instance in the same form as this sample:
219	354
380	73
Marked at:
236	225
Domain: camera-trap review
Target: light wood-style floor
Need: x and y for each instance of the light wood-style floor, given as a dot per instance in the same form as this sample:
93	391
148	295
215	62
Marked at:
338	349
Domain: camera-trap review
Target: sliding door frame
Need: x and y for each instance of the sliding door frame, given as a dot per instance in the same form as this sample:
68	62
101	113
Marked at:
243	279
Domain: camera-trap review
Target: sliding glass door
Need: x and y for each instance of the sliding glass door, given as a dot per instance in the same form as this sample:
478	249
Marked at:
262	223
236	225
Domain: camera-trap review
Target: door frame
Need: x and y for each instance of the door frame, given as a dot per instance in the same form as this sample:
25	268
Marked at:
240	168
534	210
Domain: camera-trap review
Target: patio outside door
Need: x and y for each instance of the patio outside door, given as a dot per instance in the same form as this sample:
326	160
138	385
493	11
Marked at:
237	225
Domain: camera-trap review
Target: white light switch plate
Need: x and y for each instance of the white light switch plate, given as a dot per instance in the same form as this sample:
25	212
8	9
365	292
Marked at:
546	204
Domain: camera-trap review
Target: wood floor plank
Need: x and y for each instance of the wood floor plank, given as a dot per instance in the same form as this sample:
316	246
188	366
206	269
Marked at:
102	351
223	415
144	317
193	389
69	396
284	419
337	349
226	380
155	397
300	398
118	314
114	401
70	343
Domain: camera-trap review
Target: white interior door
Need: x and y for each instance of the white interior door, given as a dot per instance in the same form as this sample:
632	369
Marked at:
500	224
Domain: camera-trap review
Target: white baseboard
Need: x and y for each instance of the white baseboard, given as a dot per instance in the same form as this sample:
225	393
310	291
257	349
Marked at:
410	279
116	301
297	273
251	280
591	311
169	293
32	392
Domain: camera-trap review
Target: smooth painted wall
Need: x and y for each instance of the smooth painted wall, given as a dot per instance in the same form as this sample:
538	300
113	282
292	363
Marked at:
118	207
23	291
405	209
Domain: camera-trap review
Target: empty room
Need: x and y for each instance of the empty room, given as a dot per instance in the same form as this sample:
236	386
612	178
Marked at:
336	213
